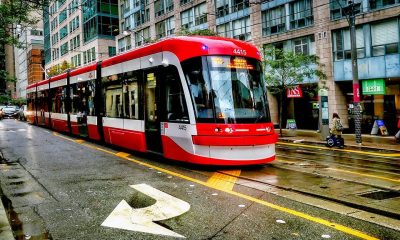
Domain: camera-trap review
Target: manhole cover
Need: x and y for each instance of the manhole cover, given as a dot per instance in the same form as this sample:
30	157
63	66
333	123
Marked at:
381	195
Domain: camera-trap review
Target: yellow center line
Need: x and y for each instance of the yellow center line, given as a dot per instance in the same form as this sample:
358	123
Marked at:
318	220
341	150
79	141
122	154
365	174
224	179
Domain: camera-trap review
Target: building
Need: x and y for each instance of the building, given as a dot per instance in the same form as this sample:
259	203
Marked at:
29	59
79	32
303	26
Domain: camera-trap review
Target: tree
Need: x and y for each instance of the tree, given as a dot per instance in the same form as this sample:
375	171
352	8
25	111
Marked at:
285	69
14	18
59	68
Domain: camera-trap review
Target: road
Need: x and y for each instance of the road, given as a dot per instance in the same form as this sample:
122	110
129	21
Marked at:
55	186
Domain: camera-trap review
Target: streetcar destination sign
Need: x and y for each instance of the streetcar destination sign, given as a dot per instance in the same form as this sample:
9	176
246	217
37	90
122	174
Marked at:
142	219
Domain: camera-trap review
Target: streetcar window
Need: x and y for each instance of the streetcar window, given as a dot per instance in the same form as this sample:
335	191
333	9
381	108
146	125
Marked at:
131	95
113	98
43	101
58	95
200	88
82	98
175	97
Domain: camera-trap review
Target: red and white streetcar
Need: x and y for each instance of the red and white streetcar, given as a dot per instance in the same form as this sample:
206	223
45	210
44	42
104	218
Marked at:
194	99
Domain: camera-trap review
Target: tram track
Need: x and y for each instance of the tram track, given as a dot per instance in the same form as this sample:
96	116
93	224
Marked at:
354	205
341	164
340	158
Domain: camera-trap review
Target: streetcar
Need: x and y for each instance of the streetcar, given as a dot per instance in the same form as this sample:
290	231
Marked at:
200	100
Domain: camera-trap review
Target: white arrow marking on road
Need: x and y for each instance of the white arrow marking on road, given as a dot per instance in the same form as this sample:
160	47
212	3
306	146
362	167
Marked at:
141	219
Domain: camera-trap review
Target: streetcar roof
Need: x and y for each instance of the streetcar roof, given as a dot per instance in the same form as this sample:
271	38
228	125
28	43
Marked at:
194	46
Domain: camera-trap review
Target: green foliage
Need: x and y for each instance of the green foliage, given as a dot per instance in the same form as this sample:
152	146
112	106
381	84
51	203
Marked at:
59	68
199	32
284	69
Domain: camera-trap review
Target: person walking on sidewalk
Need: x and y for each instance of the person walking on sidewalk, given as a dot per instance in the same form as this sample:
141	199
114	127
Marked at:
337	129
397	136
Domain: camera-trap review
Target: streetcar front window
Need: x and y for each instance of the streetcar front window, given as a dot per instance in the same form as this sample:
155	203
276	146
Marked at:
227	89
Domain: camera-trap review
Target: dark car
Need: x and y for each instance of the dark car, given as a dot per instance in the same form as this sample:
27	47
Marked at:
10	111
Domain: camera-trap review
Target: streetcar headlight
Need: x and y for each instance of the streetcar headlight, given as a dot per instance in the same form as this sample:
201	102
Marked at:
228	130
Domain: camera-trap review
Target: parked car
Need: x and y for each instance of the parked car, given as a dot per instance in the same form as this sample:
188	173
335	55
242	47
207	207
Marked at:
21	115
10	111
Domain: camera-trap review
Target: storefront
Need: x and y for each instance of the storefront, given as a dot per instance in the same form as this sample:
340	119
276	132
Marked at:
304	108
380	100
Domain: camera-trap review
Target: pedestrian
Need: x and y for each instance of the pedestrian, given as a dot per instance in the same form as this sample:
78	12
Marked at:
397	136
337	129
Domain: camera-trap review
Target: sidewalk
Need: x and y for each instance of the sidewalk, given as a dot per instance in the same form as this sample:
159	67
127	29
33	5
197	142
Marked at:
368	141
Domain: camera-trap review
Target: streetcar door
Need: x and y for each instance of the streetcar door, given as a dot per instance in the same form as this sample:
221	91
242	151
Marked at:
152	111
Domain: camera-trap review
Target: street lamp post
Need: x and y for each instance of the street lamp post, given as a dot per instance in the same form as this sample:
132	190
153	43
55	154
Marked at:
356	85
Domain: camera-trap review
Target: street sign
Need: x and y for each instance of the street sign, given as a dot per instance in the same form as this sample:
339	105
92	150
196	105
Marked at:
142	219
373	86
291	124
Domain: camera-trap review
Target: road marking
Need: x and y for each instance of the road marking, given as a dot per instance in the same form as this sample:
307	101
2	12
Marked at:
224	179
142	219
80	141
341	150
122	154
365	174
318	220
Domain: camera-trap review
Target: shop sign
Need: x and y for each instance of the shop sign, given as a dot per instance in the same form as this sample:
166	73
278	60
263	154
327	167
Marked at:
294	92
291	124
373	86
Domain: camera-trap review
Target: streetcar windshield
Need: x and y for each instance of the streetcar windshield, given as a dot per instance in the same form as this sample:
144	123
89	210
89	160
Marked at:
227	89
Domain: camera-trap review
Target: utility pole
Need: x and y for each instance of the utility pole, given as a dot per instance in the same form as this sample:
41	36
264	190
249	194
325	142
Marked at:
350	13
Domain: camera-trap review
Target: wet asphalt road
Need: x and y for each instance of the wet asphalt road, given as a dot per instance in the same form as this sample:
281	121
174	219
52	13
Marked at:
57	187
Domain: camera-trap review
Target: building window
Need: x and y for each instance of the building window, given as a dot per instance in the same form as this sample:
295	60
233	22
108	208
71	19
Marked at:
165	28
74	24
274	20
112	51
76	60
158	8
301	14
342	44
187	19
35	32
107	26
54	24
241	29
141	17
338	11
305	46
63	32
200	14
64	49
142	37
183	2
385	38
90	29
54	38
222	7
62	16
238	5
194	16
376	4
224	30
